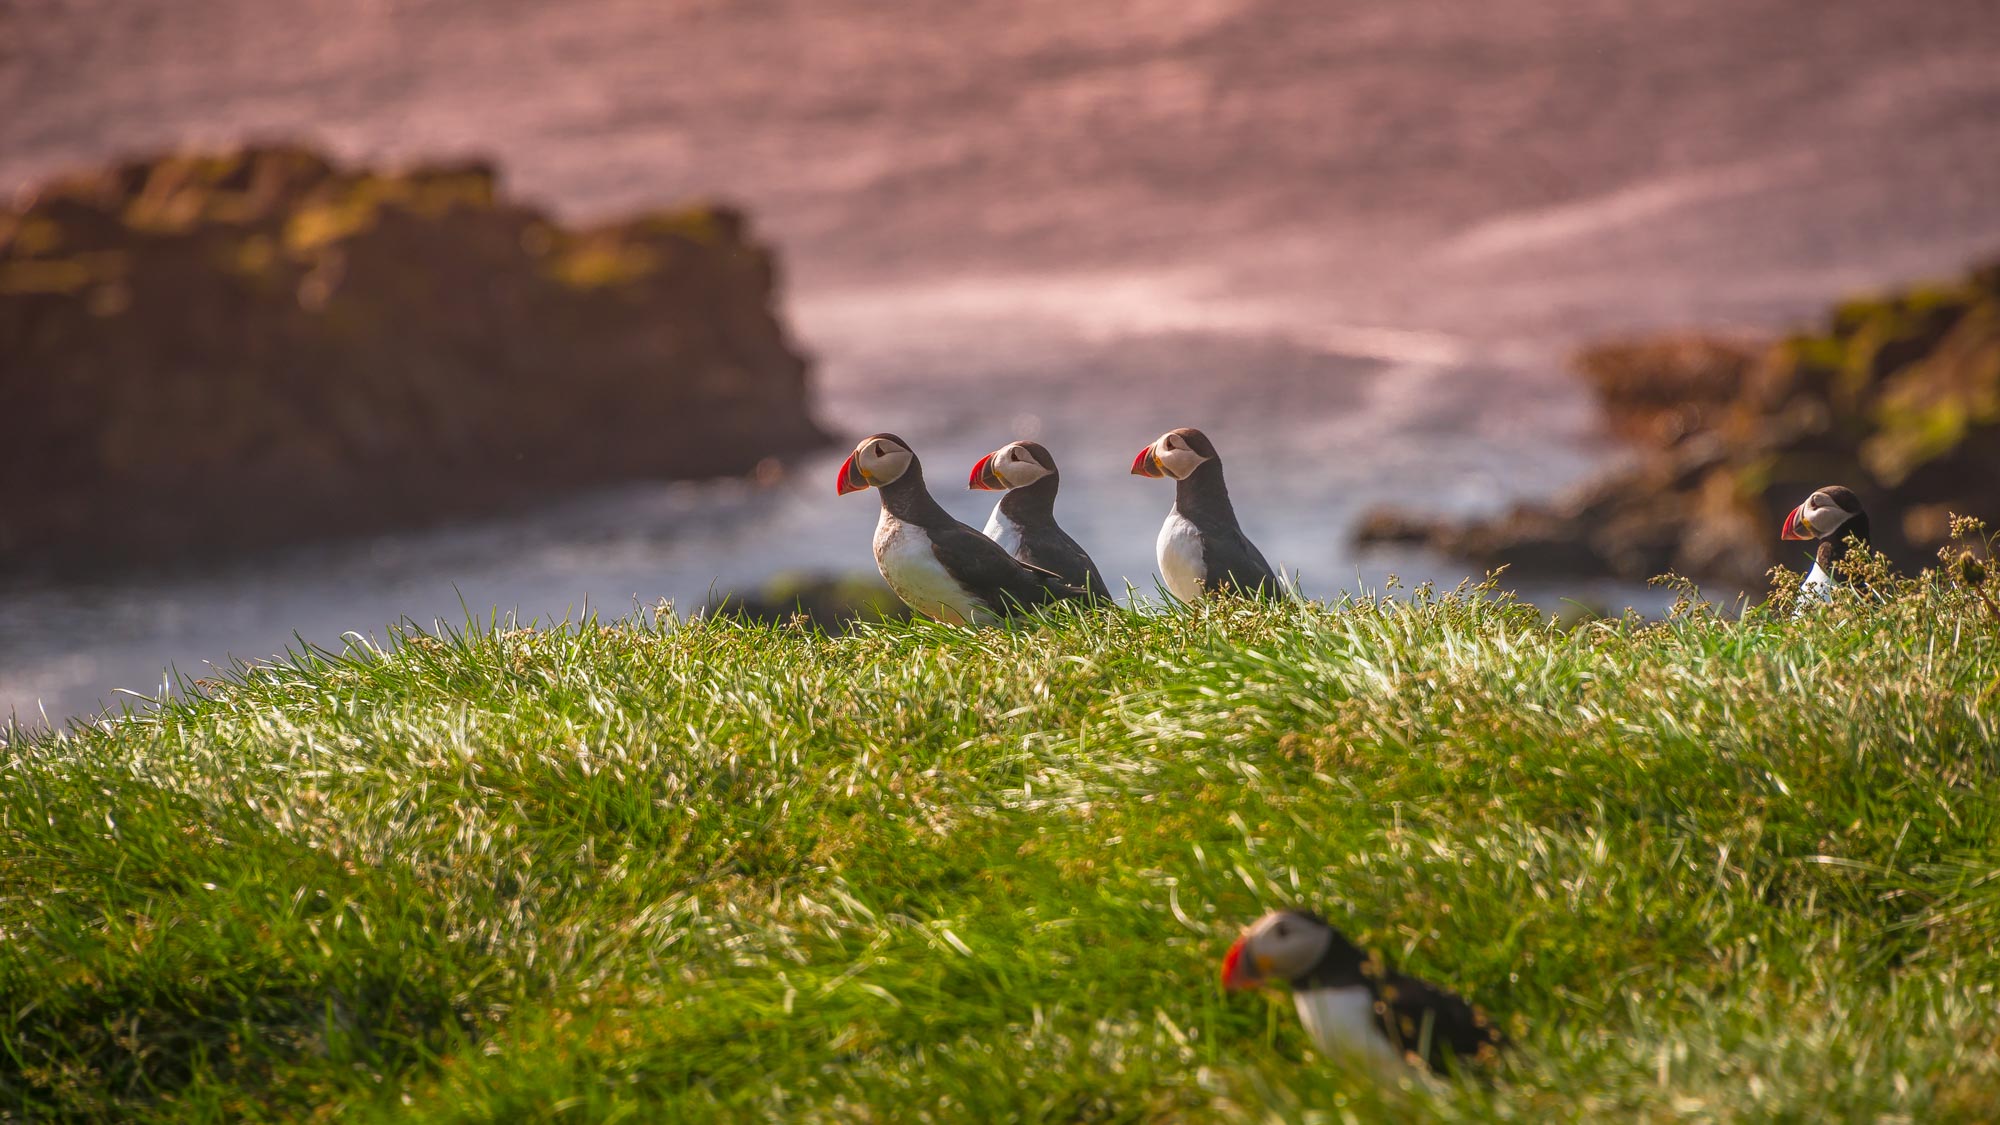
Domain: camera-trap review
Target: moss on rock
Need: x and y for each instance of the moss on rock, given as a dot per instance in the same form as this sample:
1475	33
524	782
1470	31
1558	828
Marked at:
1898	397
208	352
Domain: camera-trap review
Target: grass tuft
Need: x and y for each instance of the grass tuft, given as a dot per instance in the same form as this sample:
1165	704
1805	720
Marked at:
1707	868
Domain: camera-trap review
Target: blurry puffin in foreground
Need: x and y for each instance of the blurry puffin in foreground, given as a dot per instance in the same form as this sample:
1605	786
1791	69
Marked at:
1024	521
939	567
1350	1003
1830	515
1201	549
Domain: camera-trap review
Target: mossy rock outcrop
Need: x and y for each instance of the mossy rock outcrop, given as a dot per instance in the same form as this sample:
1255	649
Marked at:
239	350
1898	397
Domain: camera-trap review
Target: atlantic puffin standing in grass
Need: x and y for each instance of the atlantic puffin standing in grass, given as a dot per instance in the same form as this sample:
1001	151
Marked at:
1831	515
939	567
1024	521
1350	1003
1201	549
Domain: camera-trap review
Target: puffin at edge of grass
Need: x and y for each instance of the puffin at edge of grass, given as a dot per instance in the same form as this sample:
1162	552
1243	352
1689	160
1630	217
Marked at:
1202	548
1352	1004
1832	515
940	567
1024	521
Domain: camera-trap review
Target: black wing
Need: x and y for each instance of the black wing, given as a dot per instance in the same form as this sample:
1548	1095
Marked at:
1233	561
1054	551
994	576
1432	1023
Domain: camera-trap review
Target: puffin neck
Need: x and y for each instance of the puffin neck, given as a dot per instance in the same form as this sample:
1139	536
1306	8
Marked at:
1833	548
1338	967
1203	497
1036	501
908	500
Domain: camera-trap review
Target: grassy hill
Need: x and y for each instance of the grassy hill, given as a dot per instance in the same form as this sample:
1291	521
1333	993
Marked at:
1705	869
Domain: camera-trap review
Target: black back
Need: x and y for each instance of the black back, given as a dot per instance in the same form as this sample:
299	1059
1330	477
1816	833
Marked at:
1433	1023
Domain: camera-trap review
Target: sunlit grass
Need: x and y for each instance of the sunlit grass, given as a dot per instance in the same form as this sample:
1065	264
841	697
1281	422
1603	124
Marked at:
1705	869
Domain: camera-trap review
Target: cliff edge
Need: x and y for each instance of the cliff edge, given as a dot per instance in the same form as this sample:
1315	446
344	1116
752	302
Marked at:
219	352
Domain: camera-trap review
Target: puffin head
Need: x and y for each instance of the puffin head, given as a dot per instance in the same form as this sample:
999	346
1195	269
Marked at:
1284	945
879	459
1014	465
1176	454
1823	514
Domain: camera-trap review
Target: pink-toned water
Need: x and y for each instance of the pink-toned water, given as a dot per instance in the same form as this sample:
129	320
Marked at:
1350	240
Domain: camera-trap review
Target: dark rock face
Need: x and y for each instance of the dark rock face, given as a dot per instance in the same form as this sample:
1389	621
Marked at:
1899	399
832	603
209	353
1657	391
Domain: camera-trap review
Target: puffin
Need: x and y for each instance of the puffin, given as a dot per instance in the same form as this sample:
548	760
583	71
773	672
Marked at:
939	567
1353	1005
1830	515
1024	521
1201	549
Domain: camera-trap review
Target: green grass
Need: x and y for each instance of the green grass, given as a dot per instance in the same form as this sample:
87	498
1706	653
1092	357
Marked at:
1703	869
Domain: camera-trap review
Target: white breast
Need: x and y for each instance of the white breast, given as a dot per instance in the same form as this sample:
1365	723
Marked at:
1341	1022
1005	532
1180	557
1817	588
903	554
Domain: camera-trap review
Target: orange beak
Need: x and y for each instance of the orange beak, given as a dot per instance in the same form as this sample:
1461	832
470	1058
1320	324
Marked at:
1234	978
850	479
984	478
1796	526
1147	464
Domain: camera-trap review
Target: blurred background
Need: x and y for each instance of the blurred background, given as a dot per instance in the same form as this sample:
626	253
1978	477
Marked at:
537	306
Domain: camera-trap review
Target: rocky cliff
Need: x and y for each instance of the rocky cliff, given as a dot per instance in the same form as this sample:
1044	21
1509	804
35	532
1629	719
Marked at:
211	353
1897	397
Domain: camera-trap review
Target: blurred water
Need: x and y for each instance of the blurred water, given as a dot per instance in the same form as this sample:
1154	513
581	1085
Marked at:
1350	240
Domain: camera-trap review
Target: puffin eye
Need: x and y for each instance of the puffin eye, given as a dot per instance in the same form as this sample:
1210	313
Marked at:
879	450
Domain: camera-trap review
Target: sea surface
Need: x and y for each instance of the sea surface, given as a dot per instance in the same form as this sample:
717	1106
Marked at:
1352	241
